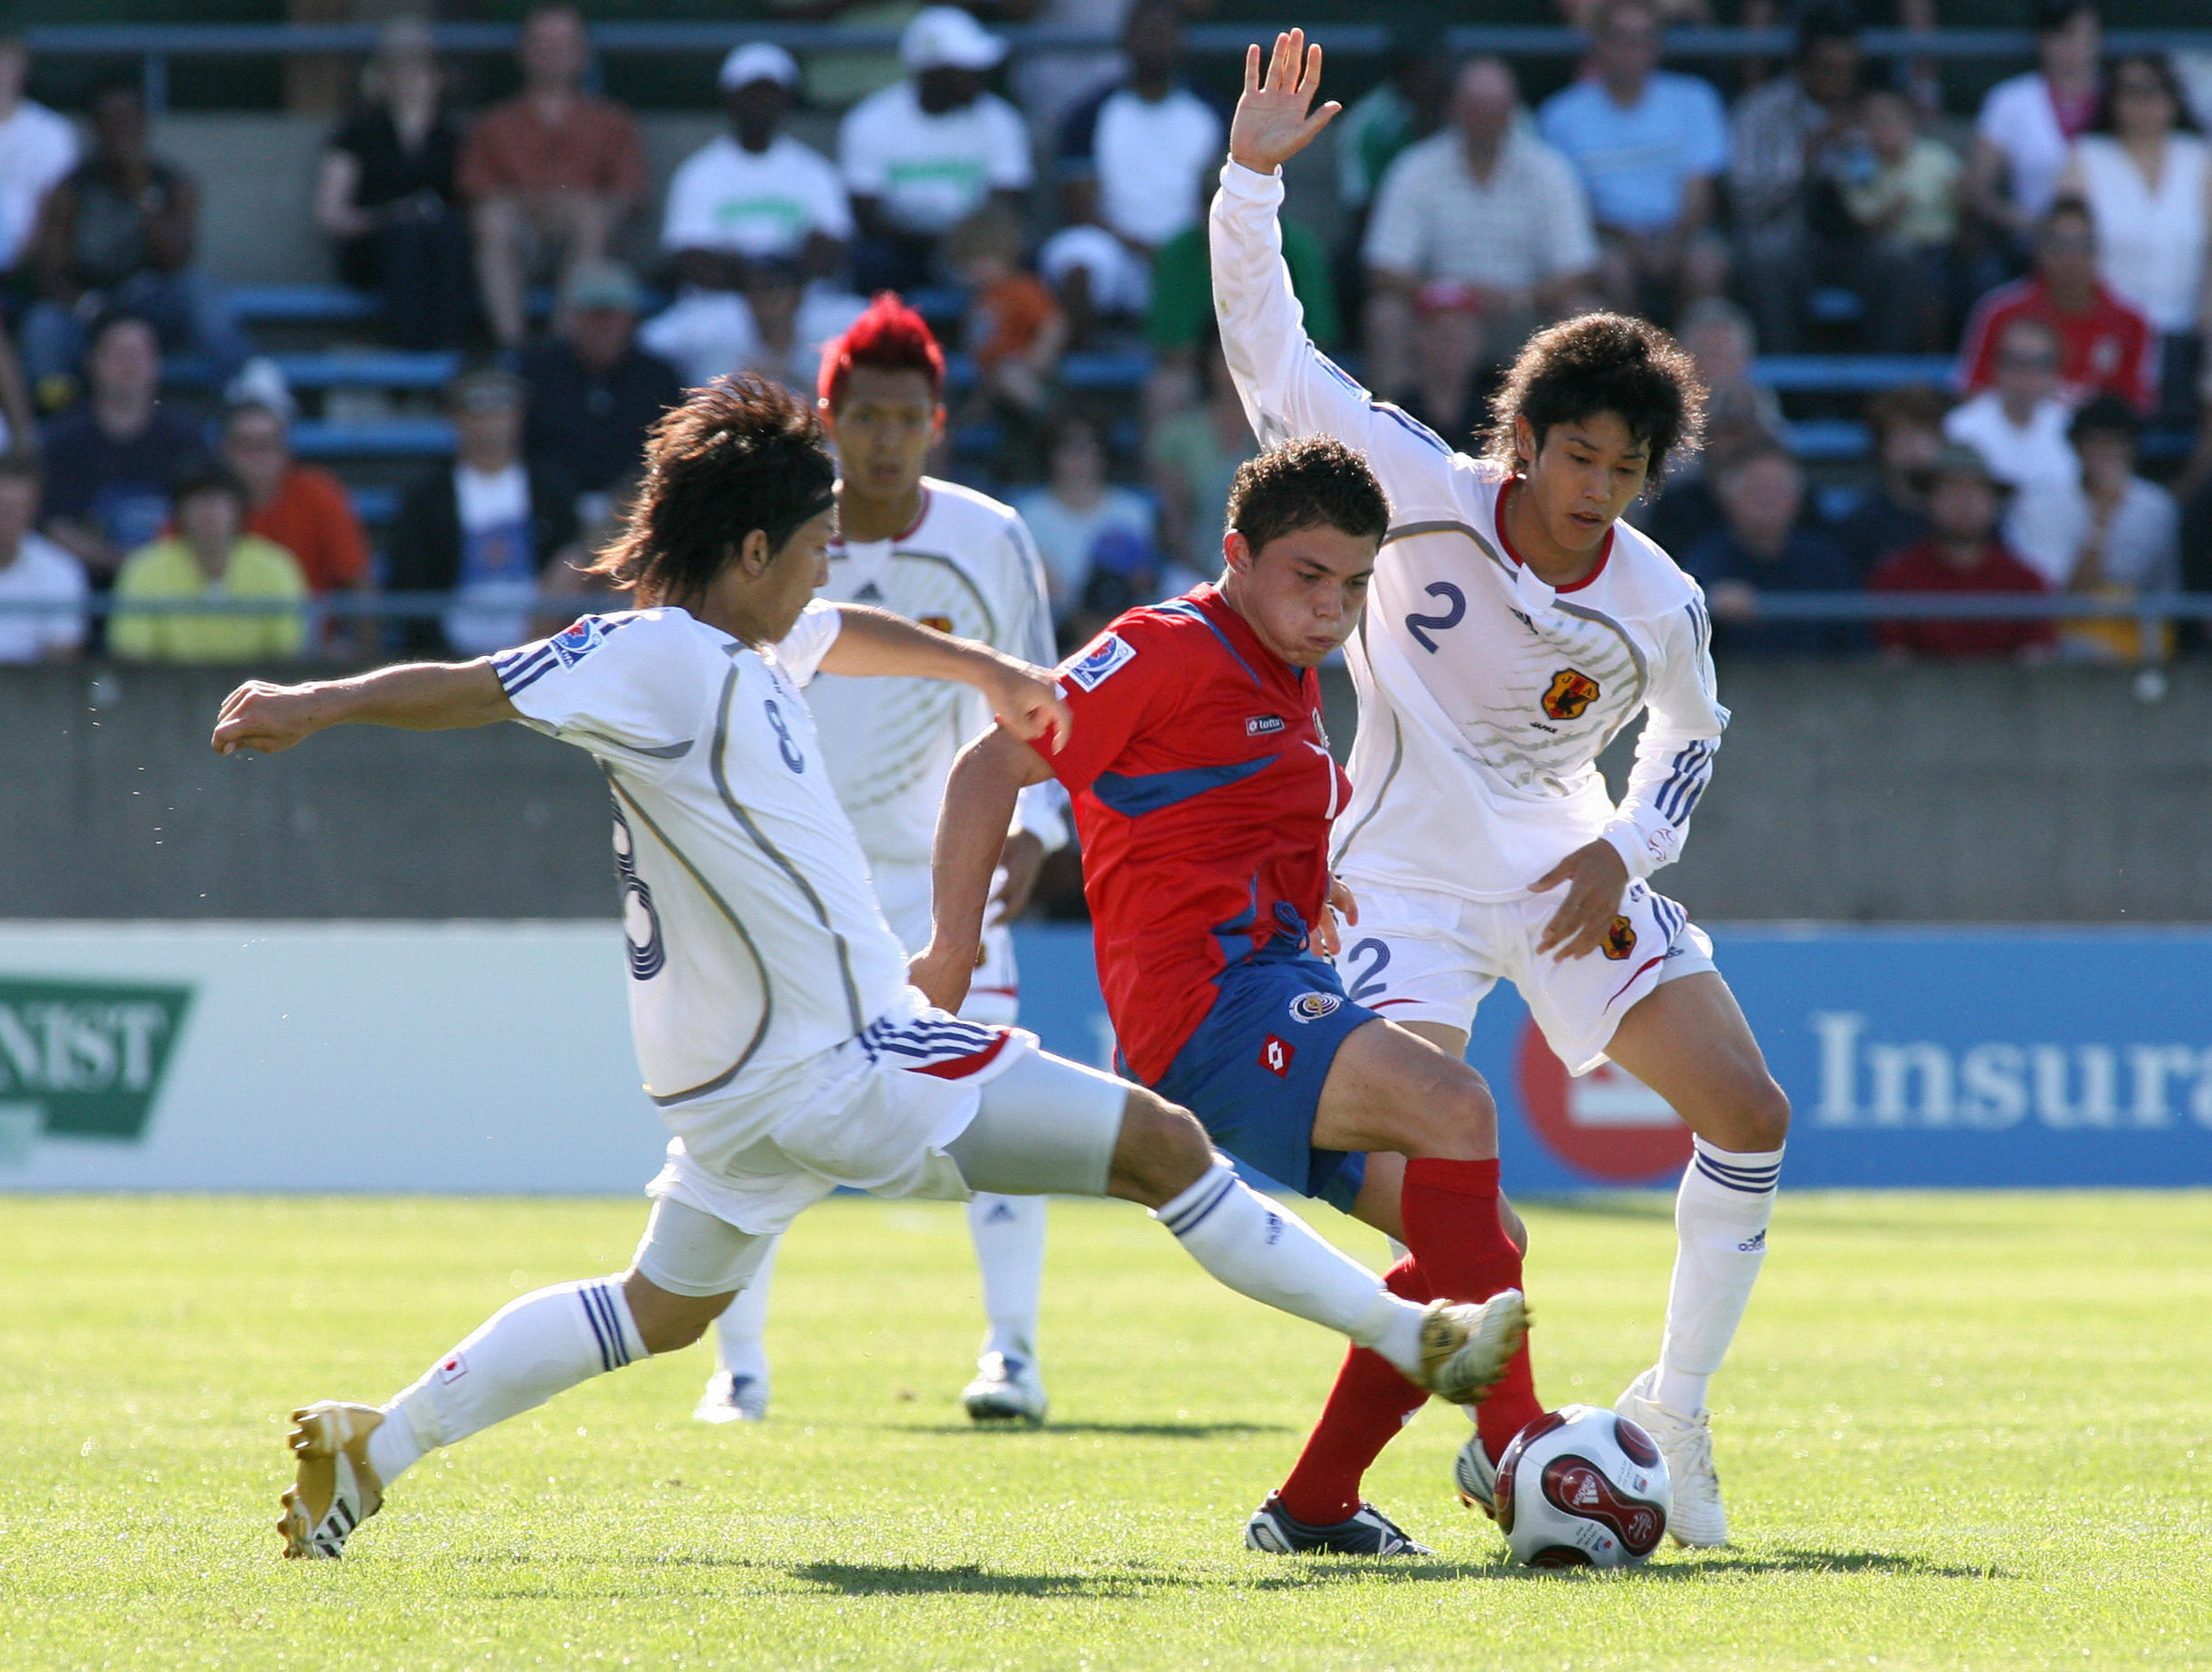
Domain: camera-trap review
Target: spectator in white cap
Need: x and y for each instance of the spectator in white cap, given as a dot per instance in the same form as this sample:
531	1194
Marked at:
926	153
1131	159
754	194
757	233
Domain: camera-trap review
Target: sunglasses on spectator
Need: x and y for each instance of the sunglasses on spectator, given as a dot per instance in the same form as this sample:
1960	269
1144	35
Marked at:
2027	360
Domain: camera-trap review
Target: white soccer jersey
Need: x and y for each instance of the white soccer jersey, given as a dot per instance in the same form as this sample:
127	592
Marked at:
756	942
1485	696
968	567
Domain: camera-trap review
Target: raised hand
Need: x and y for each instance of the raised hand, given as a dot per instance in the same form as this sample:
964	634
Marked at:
1272	122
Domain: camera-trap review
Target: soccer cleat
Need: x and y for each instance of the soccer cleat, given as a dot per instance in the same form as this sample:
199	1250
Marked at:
1367	1533
1474	1476
335	1490
1466	1348
1005	1390
731	1398
1697	1520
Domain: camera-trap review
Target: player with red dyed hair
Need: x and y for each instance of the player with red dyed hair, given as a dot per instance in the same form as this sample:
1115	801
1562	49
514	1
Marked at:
953	559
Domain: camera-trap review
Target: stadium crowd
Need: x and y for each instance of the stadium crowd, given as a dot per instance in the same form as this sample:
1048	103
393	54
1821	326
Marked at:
2057	242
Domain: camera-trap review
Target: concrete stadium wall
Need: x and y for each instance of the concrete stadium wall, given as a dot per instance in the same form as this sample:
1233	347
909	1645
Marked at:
1844	793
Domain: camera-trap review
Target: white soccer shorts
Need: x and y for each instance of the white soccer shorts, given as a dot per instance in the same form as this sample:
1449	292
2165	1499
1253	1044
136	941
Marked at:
1022	1123
993	992
1424	955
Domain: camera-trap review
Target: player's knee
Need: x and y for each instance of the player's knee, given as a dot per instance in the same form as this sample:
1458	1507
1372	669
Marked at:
667	1322
1161	1152
1451	1115
1767	1116
1753	1116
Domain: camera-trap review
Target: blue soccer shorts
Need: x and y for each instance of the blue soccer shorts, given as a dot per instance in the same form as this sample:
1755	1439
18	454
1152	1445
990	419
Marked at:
1253	1069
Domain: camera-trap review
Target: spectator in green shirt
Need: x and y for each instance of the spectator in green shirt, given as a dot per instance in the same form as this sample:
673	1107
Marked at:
1180	318
210	556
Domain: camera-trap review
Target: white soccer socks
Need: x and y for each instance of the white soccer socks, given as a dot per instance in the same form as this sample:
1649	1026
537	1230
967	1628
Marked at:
1721	1216
1272	1256
518	1359
741	1333
1009	1234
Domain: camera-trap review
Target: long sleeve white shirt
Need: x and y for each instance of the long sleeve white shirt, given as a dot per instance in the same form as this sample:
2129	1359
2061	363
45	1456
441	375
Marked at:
1485	695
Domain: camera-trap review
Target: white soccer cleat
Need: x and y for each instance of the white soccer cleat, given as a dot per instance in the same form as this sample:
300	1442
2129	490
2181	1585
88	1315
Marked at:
1466	1348
334	1489
1697	1520
731	1398
1474	1476
1005	1390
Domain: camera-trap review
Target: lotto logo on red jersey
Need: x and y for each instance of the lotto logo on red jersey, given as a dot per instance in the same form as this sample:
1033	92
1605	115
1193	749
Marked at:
1274	1056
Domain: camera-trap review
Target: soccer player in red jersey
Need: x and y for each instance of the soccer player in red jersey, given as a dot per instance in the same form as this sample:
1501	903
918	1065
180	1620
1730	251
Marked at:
1204	790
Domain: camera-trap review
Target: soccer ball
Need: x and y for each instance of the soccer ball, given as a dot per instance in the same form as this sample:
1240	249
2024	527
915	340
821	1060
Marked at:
1582	1487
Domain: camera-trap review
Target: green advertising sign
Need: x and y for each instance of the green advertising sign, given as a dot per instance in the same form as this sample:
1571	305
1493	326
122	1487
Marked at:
88	1054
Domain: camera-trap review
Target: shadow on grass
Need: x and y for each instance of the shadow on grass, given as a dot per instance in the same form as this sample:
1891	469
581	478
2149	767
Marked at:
967	1579
1132	1431
1719	1562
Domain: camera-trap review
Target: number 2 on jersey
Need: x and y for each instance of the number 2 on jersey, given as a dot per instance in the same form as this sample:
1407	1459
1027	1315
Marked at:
1369	982
785	743
1454	611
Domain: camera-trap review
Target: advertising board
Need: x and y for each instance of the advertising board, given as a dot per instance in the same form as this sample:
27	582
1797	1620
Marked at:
480	1056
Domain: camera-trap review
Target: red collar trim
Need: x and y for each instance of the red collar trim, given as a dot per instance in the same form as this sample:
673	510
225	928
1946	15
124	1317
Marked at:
920	516
906	533
1605	556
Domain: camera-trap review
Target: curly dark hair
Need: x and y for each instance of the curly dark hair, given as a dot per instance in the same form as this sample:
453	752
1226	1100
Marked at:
1313	483
1601	362
739	454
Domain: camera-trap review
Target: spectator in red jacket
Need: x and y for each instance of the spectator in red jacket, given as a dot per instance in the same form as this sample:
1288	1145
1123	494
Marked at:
303	509
1961	554
553	171
2104	346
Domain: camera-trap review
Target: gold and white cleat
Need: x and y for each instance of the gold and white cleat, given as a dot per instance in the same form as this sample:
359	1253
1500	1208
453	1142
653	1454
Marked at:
1465	1348
336	1490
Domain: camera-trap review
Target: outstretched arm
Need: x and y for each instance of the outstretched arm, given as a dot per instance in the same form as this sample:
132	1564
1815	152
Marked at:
1290	387
876	641
978	801
414	697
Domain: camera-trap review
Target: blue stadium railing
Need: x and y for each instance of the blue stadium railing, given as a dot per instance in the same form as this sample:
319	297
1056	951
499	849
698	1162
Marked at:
1780	606
154	45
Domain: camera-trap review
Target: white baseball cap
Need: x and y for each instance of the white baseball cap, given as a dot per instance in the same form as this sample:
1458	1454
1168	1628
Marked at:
758	61
944	36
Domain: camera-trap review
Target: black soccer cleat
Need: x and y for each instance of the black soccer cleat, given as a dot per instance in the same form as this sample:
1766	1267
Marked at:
1367	1533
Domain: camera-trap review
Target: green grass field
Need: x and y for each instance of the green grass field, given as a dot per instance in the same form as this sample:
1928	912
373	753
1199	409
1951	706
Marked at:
1957	1431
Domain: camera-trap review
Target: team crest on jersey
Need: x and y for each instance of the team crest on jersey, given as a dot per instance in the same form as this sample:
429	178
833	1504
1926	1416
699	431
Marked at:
1619	940
1314	1006
1100	662
943	624
1261	724
1572	691
573	644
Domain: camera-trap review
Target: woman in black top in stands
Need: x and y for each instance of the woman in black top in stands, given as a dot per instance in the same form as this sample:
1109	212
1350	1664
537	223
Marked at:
386	195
